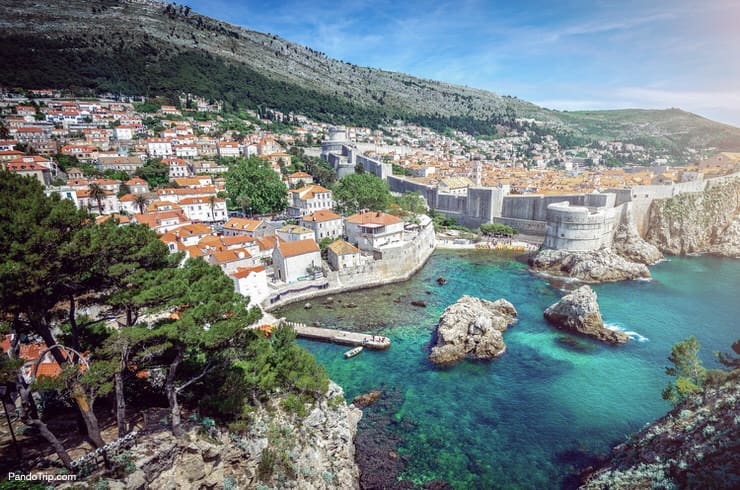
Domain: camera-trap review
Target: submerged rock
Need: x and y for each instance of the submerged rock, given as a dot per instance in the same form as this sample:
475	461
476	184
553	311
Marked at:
367	399
420	304
472	327
579	312
603	265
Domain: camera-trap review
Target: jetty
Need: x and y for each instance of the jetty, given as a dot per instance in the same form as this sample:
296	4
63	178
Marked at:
377	342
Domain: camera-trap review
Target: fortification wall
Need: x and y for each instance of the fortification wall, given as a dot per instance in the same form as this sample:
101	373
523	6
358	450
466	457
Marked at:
525	226
578	228
400	185
376	167
534	208
449	203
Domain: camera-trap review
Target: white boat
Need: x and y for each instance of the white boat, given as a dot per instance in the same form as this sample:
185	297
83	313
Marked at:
353	352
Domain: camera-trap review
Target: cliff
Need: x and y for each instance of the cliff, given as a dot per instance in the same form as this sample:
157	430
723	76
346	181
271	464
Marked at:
696	445
702	222
277	449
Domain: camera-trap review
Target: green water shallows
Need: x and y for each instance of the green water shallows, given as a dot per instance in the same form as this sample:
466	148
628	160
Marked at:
512	422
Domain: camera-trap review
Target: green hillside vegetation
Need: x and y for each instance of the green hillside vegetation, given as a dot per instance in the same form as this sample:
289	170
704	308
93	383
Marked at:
157	49
669	129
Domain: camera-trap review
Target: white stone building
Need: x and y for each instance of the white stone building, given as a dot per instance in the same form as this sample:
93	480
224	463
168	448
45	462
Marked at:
343	255
294	260
292	233
324	223
251	282
159	147
373	230
309	199
228	149
199	209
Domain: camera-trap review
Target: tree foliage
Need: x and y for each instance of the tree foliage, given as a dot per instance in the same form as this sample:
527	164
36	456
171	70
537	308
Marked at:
266	365
497	229
185	318
361	191
411	203
254	178
154	172
686	368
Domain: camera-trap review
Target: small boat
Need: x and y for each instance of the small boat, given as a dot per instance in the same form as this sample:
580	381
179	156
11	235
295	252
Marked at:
353	352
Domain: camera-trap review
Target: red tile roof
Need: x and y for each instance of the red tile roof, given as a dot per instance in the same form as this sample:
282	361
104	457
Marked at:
320	216
242	272
298	247
373	218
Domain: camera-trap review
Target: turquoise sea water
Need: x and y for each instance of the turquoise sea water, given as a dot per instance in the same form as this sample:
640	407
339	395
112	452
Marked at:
512	422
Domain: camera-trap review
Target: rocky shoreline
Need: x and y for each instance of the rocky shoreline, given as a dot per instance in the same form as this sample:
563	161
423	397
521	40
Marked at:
277	449
597	266
696	445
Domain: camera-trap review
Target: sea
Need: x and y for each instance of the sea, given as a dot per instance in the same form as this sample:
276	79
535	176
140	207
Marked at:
553	402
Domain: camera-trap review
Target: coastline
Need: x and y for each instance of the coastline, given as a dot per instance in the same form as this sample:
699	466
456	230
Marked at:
342	288
513	247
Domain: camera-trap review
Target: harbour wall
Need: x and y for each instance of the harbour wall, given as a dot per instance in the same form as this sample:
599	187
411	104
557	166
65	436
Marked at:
396	264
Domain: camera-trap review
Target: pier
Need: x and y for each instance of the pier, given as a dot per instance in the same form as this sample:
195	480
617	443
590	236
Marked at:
377	342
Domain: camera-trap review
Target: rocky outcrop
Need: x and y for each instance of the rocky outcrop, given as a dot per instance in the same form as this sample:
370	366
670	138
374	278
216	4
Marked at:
472	327
276	450
629	244
579	312
602	265
700	222
696	445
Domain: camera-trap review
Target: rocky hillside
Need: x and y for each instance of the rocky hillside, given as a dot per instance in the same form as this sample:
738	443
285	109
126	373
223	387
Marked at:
702	222
153	48
697	445
276	450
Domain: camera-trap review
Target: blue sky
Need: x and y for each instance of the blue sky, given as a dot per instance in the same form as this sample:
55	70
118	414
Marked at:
567	54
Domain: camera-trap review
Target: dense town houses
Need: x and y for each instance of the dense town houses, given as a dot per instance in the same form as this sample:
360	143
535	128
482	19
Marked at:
164	168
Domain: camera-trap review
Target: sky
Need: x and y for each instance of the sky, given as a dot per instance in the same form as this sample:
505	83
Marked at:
566	54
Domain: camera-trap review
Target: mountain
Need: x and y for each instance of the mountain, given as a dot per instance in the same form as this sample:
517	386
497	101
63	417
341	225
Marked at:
151	48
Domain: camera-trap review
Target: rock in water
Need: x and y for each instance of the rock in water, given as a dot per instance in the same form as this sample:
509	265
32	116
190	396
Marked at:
602	265
472	327
579	312
362	401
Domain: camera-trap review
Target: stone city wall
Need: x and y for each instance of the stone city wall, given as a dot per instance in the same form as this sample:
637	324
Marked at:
579	228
